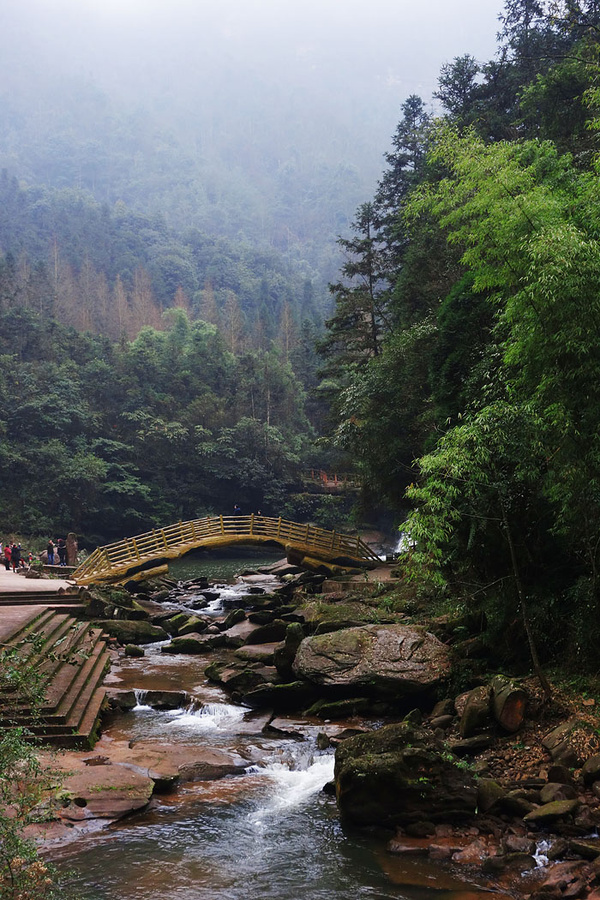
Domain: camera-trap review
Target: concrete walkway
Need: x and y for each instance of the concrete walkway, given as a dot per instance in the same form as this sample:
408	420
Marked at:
10	581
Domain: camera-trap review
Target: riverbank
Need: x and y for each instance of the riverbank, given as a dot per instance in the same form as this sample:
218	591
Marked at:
193	741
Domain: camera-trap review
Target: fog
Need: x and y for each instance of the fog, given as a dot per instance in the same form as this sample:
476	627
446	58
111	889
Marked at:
215	114
371	53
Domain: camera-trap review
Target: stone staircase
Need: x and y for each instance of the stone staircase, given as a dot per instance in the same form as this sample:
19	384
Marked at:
53	599
71	659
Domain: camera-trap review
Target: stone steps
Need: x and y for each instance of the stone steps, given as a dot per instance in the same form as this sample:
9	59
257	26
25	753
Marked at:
51	599
71	661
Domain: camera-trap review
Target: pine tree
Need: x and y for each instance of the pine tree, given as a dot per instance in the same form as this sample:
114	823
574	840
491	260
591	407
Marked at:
356	329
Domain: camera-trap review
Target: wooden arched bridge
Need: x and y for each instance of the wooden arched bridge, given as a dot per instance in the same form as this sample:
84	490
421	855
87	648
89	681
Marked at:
302	543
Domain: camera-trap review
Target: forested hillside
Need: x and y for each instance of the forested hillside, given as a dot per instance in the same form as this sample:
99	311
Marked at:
464	353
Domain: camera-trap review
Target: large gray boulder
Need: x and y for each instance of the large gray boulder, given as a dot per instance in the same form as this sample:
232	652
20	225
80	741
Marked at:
395	660
399	775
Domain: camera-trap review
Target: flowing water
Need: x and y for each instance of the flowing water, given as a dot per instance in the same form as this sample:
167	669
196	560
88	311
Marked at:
269	833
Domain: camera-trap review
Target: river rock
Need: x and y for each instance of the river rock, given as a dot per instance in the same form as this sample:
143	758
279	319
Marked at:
239	634
394	659
132	632
104	792
274	632
551	812
239	677
285	653
591	769
291	696
194	643
398	775
566	742
264	653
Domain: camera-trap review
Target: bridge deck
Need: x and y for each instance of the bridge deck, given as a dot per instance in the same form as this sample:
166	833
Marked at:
114	560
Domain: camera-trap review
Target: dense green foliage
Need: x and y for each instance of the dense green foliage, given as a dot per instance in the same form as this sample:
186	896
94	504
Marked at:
483	397
108	438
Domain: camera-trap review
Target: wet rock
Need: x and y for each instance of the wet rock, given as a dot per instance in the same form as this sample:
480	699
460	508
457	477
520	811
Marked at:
514	804
165	699
397	659
471	745
257	653
441	722
194	643
553	791
519	843
285	653
591	769
104	792
397	775
489	793
443	708
508	862
342	709
291	696
239	634
588	849
559	775
121	700
128	632
236	678
133	650
566	742
551	812
558	849
336	625
473	854
267	634
194	625
262	616
232	618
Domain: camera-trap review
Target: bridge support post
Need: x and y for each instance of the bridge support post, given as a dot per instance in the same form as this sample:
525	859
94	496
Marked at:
251	523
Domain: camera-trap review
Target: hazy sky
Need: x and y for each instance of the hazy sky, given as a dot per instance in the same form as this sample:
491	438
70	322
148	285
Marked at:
325	76
403	41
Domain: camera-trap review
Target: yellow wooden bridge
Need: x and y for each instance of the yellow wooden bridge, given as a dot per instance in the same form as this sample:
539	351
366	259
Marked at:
302	544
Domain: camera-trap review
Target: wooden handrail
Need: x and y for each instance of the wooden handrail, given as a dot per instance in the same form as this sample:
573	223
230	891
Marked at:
175	540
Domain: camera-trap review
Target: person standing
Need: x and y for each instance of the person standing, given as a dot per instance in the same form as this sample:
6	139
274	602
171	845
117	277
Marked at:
62	552
15	556
6	559
50	552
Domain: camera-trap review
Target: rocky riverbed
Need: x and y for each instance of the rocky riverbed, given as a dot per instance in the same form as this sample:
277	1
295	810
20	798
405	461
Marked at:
494	783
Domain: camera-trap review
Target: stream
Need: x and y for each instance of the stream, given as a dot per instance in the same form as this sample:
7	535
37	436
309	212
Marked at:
270	833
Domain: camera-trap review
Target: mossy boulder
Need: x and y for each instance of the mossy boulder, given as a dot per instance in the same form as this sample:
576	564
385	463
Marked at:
399	775
194	643
391	660
132	632
236	678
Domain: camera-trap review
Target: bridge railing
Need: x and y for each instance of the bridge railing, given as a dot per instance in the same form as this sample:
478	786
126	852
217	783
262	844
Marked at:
169	541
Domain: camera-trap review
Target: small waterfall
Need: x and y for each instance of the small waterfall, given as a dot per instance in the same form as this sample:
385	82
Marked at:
211	717
405	543
140	697
294	778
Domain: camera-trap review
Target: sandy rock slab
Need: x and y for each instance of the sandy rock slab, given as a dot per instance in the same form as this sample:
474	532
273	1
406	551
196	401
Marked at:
93	788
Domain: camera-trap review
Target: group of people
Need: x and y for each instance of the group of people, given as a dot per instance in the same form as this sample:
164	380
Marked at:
57	549
13	556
